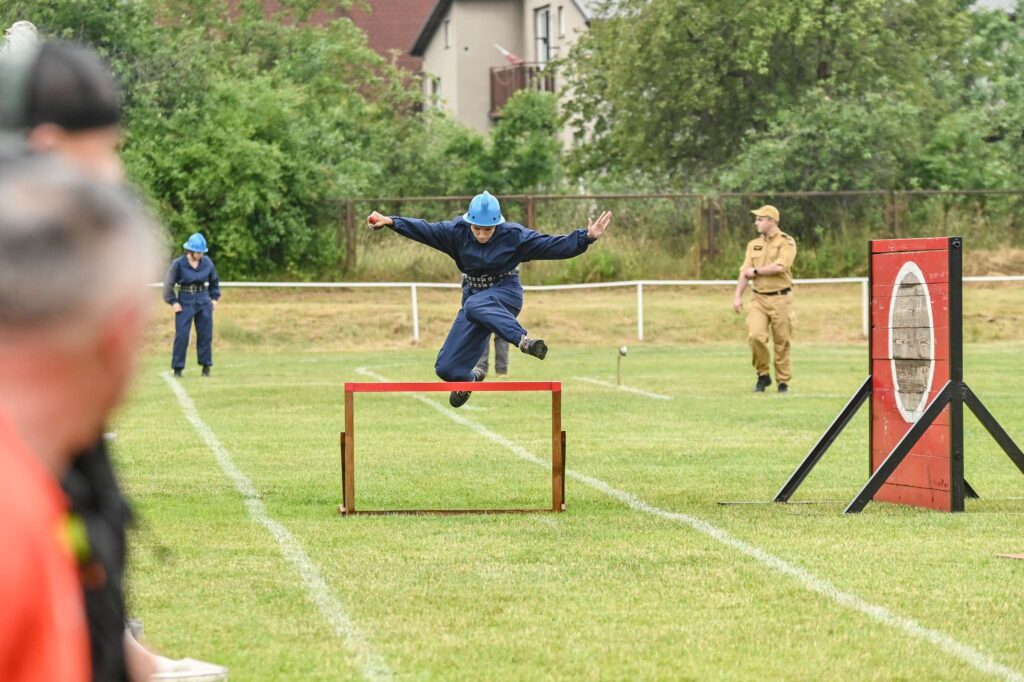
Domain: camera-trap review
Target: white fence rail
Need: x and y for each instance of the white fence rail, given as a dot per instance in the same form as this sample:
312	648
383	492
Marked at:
637	284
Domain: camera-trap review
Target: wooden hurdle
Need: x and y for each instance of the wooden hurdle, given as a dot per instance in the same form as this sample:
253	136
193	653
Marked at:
348	447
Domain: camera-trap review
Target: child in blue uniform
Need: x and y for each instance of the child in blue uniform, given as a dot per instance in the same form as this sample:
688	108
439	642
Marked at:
488	250
198	293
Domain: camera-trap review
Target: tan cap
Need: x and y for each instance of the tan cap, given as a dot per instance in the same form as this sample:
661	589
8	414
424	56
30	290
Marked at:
767	212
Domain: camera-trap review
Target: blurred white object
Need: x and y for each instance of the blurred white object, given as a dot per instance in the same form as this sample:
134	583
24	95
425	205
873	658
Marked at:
188	670
21	35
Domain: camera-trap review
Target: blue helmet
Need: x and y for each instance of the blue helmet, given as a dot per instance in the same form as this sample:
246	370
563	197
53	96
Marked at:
196	243
484	211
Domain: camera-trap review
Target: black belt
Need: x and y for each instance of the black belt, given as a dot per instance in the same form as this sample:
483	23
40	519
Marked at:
192	288
773	293
488	281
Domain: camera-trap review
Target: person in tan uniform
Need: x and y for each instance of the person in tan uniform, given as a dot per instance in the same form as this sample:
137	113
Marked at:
767	268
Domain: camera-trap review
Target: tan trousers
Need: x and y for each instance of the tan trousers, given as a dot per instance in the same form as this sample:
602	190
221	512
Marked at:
771	315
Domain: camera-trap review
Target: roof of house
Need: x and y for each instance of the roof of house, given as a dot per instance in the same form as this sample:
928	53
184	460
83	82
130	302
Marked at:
441	7
393	25
388	24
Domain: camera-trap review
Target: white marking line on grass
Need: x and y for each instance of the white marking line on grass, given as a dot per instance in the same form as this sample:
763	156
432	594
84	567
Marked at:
629	389
966	653
371	664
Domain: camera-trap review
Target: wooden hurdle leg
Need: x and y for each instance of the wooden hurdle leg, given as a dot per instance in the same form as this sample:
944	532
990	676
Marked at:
348	458
557	454
563	470
341	507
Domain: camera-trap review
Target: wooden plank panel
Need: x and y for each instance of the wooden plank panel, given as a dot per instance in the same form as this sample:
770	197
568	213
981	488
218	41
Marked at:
919	471
934	265
894	245
910	342
885	404
882	379
919	497
881	298
887	432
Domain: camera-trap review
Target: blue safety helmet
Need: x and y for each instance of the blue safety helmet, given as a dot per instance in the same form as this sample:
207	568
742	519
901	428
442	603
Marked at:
196	243
484	211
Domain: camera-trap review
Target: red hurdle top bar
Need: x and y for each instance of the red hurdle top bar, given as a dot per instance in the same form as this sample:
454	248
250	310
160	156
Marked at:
446	386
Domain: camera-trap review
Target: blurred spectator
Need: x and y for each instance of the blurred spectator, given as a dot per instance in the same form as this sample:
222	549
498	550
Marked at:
70	332
66	105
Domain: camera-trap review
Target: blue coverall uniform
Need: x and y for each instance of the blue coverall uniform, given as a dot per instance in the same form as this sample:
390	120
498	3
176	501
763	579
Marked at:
195	305
486	309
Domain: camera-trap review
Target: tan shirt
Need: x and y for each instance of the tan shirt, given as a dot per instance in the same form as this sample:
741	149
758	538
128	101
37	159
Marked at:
762	251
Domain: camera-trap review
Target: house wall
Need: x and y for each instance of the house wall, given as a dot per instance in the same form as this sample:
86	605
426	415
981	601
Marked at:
481	24
574	24
476	25
441	63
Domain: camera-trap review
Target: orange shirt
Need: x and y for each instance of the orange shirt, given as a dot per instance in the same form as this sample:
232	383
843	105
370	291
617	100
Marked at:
43	632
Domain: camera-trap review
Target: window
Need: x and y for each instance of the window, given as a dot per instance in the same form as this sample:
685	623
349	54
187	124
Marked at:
543	32
447	34
435	88
561	21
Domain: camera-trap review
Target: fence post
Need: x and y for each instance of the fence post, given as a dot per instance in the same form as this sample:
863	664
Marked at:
531	212
350	235
415	316
865	305
339	224
893	219
639	311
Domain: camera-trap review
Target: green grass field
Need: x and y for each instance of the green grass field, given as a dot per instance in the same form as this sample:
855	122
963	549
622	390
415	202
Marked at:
646	576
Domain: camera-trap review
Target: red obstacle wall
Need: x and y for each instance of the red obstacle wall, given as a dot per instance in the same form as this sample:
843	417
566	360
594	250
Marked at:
910	363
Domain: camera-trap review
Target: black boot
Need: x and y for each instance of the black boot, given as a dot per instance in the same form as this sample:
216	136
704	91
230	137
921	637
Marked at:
763	382
459	398
535	347
177	372
783	387
206	370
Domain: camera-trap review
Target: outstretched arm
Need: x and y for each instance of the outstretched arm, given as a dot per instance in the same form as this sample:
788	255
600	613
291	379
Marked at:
537	246
436	235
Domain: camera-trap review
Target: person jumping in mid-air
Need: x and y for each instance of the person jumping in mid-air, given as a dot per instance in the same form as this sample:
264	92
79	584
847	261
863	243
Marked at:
488	250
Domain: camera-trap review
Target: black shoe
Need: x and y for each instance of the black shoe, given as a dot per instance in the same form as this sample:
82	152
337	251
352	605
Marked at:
535	347
783	388
458	398
763	382
177	372
206	370
479	374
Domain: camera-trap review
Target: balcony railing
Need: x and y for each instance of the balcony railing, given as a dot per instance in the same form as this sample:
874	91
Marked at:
508	80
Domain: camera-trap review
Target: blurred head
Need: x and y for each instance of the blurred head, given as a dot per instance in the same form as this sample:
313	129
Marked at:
65	101
71	316
766	219
21	35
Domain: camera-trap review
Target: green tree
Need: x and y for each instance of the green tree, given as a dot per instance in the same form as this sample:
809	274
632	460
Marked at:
675	87
526	152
